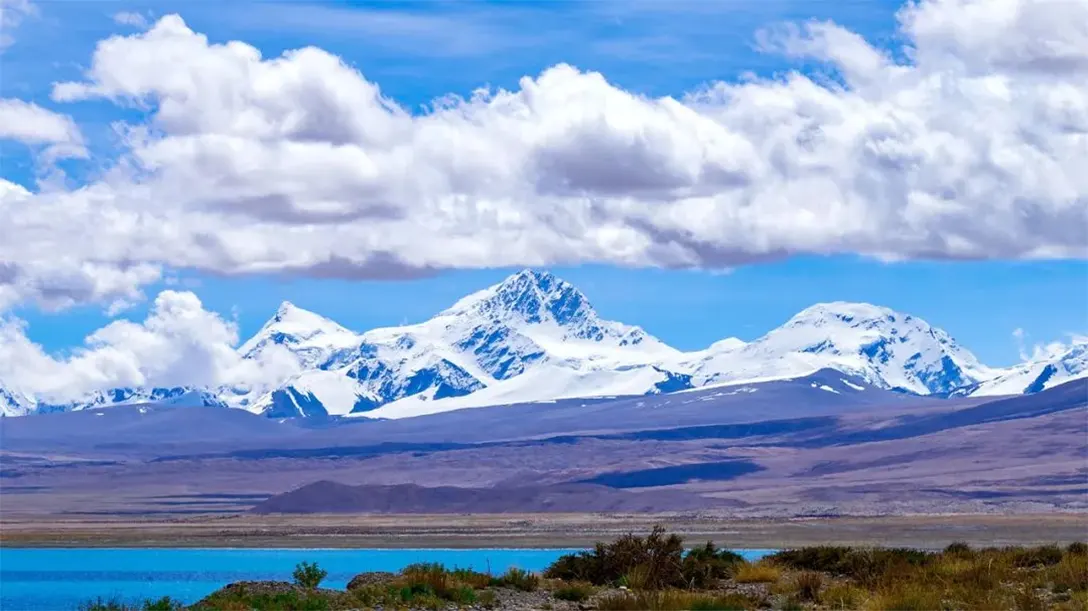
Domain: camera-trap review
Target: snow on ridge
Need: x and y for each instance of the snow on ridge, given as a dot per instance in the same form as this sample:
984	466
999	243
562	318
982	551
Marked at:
15	403
1038	374
297	326
536	337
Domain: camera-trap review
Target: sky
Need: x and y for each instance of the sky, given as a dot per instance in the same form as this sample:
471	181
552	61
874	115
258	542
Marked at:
702	169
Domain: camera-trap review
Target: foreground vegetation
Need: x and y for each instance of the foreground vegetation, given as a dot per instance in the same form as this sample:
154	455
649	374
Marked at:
655	572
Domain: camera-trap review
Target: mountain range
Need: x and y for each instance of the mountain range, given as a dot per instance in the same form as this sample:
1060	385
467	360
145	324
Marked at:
535	337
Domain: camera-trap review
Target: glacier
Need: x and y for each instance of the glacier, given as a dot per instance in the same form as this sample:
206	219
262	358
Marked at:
536	337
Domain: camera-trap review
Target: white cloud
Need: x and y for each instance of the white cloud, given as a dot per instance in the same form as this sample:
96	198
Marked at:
33	125
1046	352
1020	337
12	13
130	18
180	343
298	164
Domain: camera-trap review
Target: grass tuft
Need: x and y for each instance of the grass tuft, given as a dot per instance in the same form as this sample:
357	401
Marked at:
518	579
574	592
760	572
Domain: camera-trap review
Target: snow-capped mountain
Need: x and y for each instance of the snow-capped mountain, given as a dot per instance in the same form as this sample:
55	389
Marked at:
179	396
311	338
14	403
532	336
535	337
1037	374
886	348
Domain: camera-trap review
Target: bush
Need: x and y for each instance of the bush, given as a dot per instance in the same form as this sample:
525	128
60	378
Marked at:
957	548
1077	548
704	566
471	578
658	556
807	585
865	565
308	575
574	592
518	579
1045	555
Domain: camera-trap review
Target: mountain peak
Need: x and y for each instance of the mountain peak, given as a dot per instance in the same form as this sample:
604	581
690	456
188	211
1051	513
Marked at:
291	317
312	333
289	311
529	296
847	312
887	347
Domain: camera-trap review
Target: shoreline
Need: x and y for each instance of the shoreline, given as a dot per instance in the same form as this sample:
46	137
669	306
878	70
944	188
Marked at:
532	531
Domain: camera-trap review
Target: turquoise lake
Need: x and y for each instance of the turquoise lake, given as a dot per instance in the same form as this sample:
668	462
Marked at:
60	579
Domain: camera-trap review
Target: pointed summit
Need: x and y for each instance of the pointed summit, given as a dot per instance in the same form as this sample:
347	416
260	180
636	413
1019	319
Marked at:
529	296
285	309
310	336
291	318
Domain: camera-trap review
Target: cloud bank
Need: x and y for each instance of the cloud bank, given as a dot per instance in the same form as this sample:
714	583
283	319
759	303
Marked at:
969	142
178	344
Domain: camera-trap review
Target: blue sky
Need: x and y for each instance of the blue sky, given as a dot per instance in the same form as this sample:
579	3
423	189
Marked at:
420	51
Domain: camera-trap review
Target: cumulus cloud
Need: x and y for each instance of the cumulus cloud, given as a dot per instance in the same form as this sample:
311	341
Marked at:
36	126
178	344
969	142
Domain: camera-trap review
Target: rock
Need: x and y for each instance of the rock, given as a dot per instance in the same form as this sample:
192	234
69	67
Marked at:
372	578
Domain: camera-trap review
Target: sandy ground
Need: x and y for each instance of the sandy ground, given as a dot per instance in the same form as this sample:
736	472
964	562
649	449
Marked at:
535	530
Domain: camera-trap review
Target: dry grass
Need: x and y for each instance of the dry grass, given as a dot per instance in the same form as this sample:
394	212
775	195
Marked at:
518	579
760	572
676	600
574	592
843	596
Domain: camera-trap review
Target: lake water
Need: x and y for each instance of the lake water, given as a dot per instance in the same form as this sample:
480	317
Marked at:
58	579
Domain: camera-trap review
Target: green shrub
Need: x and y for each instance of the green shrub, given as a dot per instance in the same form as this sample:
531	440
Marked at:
865	565
574	592
703	566
658	554
471	578
1077	548
308	575
462	595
